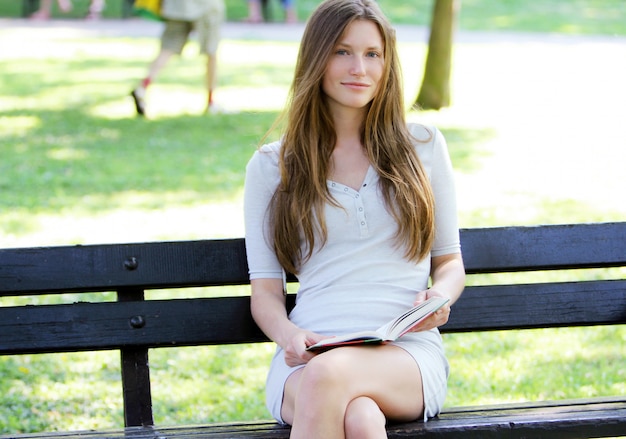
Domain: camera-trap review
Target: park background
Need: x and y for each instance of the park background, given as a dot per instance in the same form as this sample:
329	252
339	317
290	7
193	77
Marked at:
535	131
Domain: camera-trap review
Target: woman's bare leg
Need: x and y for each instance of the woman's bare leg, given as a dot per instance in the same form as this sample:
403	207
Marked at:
364	420
331	395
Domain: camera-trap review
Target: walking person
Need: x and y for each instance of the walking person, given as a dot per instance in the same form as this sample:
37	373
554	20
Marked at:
256	8
45	9
181	17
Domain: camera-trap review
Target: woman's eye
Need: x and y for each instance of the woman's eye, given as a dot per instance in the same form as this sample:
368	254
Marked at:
373	54
342	52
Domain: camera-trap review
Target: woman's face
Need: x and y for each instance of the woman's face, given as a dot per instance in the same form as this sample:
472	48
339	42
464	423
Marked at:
355	67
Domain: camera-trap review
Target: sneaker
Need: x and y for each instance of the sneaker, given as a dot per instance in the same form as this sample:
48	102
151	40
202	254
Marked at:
216	109
139	95
211	109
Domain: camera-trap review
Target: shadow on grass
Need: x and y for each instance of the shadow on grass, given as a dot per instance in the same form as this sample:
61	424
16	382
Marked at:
466	147
66	159
79	391
71	159
540	364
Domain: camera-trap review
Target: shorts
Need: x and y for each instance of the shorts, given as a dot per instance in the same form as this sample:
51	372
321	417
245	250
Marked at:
208	29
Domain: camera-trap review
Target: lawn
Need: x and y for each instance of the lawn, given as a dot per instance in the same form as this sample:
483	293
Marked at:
535	133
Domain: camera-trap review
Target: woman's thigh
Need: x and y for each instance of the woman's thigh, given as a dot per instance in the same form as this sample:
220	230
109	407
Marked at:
387	374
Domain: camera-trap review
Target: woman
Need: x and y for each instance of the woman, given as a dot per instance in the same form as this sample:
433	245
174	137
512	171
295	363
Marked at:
361	207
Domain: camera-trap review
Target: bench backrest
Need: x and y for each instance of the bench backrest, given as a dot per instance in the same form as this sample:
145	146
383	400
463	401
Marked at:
134	325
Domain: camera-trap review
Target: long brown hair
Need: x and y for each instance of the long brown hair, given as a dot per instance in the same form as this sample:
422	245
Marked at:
297	209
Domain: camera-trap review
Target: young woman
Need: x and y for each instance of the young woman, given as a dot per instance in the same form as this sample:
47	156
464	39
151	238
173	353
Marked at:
361	207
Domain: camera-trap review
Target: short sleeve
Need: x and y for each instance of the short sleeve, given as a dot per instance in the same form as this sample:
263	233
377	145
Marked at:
435	158
262	178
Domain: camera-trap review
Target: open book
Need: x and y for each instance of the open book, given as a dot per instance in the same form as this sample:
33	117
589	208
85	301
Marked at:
389	331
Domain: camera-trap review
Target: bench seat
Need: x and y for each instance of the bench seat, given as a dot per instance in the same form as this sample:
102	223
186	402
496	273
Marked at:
582	418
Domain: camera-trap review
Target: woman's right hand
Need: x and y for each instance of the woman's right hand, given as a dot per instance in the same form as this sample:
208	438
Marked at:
267	304
295	350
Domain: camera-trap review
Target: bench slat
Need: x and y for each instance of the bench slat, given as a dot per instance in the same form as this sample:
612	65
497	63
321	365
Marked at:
109	267
184	322
223	262
571	418
541	305
504	249
555	419
107	325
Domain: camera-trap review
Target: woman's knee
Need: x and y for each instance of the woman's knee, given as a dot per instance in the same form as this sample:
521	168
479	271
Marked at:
364	419
330	369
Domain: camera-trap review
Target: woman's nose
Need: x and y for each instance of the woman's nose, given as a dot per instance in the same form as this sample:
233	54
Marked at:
358	67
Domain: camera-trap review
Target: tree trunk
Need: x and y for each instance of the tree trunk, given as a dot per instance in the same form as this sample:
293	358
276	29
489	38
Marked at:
435	91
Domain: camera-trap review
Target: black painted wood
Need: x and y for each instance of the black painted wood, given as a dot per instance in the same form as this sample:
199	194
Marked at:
599	417
27	271
227	320
554	247
223	262
133	325
136	390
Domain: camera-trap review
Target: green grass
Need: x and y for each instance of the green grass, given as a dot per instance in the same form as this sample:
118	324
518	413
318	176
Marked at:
605	17
535	134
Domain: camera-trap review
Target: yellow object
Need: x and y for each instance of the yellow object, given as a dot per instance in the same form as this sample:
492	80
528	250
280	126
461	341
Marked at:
150	9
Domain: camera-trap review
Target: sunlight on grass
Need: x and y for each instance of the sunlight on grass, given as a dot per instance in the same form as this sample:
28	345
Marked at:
533	171
554	141
518	366
52	399
241	370
17	125
141	219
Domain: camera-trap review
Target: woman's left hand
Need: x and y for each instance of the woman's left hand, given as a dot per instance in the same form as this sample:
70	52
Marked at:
438	318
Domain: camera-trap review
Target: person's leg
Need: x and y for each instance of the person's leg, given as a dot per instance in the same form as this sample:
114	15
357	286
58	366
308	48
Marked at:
95	10
318	398
173	40
65	5
157	65
43	13
364	419
139	93
209	30
255	15
211	80
291	16
45	9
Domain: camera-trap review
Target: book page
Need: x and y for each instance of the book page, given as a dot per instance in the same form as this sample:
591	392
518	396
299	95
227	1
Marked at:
404	323
388	332
352	338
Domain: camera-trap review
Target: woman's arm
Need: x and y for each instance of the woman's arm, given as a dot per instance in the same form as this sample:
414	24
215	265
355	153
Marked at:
448	280
270	314
269	311
448	276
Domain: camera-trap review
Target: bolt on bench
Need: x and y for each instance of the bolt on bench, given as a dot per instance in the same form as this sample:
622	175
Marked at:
133	325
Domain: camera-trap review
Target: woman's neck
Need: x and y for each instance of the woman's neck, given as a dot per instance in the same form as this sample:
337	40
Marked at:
348	125
349	160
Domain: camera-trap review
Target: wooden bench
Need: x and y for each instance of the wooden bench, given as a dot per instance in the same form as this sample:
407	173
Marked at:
134	325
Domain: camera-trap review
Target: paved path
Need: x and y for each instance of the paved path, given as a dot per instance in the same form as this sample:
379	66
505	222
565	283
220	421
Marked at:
24	28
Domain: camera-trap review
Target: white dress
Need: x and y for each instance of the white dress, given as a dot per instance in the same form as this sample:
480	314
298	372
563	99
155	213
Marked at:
360	279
